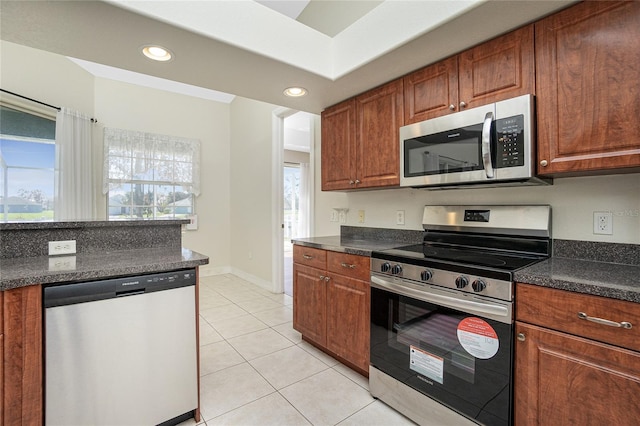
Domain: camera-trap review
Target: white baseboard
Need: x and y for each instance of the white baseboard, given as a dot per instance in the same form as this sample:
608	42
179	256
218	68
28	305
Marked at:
209	271
264	284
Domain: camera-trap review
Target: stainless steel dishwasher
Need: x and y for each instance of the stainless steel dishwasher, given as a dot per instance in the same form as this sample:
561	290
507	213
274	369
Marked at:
121	351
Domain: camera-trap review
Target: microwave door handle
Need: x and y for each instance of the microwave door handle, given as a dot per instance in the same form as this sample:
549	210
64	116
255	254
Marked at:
486	145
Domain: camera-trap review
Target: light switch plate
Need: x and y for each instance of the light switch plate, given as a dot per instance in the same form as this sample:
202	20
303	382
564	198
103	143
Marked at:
193	225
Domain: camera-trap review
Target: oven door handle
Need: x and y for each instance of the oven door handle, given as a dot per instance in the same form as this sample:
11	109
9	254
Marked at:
486	145
492	310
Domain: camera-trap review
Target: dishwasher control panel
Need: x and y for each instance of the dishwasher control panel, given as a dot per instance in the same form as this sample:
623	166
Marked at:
71	293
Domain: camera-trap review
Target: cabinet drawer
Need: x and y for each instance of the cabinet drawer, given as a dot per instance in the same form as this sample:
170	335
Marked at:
314	257
350	265
560	310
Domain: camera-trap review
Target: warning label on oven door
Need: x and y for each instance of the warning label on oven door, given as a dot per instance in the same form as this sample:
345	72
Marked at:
478	338
428	365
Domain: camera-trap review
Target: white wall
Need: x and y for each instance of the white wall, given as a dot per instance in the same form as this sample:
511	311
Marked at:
251	190
127	106
46	77
573	201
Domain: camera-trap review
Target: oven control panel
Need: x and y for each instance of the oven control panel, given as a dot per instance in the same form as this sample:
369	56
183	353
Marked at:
469	283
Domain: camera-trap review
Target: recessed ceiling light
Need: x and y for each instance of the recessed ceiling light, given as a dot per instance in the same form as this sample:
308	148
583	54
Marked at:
157	53
295	92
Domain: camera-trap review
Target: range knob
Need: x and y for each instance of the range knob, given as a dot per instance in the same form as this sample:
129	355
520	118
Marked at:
462	281
478	286
426	275
385	267
396	269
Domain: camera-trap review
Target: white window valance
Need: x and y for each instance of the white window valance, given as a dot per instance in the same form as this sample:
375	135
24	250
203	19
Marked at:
131	156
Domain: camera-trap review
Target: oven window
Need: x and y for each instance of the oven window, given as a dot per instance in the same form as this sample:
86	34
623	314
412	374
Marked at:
432	339
445	152
456	358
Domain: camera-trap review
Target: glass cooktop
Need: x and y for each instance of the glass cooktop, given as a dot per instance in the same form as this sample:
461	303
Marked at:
485	258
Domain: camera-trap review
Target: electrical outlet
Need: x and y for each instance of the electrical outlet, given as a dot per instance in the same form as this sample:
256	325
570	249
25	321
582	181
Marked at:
603	223
360	216
334	216
62	247
399	217
62	263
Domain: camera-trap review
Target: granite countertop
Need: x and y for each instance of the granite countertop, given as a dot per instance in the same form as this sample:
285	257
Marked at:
23	271
607	279
613	280
358	246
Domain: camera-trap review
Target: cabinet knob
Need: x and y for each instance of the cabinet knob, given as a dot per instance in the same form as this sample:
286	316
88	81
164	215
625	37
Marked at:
322	277
357	181
347	265
463	104
544	163
351	182
306	256
521	337
452	107
327	279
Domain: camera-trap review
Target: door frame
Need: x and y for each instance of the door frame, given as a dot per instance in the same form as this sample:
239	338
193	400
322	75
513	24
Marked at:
277	181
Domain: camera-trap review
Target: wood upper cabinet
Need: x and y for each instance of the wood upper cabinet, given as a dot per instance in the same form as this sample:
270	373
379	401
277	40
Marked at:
587	62
380	114
570	370
499	69
331	302
360	145
22	370
338	156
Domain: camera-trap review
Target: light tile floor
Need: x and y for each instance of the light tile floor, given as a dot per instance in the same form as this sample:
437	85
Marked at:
256	370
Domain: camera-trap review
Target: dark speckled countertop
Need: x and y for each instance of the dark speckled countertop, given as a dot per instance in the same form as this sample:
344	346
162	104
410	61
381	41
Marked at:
602	269
23	271
362	247
613	280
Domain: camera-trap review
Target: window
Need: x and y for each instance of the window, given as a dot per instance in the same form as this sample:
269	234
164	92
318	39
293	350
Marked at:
150	176
27	166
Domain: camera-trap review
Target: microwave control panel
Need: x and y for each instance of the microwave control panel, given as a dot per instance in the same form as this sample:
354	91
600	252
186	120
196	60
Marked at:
510	142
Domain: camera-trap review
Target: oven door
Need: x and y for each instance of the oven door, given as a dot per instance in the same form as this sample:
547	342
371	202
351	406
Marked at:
455	348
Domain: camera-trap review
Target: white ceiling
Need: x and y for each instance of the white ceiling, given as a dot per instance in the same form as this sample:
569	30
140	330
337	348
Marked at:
335	49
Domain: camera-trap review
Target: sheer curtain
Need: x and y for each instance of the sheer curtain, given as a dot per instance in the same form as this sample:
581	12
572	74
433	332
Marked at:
132	155
74	193
305	202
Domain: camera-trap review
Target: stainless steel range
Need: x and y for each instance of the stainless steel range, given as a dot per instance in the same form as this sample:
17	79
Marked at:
442	313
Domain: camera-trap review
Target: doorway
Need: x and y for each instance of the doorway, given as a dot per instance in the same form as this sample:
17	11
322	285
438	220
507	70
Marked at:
297	188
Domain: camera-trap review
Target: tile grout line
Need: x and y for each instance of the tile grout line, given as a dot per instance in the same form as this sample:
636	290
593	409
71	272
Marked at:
271	327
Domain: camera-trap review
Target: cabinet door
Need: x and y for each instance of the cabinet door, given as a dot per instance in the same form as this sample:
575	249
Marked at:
499	69
431	91
561	379
338	157
309	303
348	319
380	114
587	61
23	356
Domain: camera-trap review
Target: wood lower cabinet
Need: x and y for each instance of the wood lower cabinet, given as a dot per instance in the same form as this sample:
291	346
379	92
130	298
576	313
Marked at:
499	69
22	370
360	140
587	61
309	303
331	303
562	377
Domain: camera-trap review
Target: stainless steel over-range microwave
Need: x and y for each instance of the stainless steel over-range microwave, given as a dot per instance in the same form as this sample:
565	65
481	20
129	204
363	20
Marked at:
489	145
